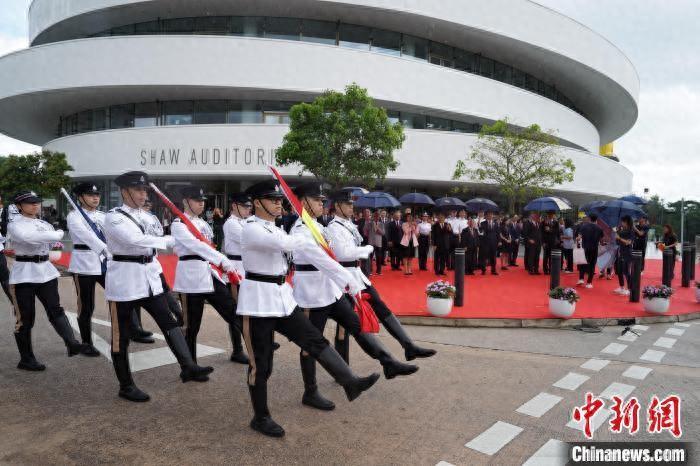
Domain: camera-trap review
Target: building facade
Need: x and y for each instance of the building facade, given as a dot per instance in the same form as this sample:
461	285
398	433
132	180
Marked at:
201	90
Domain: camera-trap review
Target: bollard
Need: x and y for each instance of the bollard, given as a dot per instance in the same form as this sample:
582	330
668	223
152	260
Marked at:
459	277
693	259
555	269
685	265
636	276
668	258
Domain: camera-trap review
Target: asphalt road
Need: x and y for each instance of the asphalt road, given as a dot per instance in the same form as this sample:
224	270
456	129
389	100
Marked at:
70	414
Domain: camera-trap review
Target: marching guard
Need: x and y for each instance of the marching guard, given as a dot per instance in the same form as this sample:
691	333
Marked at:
132	281
345	242
267	305
195	280
88	261
319	284
32	277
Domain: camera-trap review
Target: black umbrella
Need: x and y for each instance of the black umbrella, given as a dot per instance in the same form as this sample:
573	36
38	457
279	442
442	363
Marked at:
417	199
377	200
449	203
480	204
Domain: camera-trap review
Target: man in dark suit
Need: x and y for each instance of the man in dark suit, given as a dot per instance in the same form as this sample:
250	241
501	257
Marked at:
469	240
442	234
325	217
533	241
394	235
384	221
515	230
363	226
488	243
551	239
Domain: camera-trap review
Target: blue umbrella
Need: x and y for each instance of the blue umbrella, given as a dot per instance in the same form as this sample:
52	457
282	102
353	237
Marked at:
480	204
357	191
545	204
612	211
449	202
377	200
636	200
589	205
417	199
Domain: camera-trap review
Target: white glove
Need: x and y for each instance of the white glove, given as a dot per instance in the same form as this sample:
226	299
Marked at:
169	241
61	233
228	266
355	288
366	251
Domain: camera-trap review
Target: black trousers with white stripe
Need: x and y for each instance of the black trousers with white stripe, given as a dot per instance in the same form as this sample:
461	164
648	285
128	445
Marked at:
85	291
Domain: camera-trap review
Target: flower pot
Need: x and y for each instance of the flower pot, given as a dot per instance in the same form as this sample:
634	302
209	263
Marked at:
561	308
697	294
55	255
440	307
656	305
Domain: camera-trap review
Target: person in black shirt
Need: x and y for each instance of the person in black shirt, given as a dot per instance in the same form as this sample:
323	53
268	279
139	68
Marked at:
670	241
550	239
589	235
641	236
442	232
624	255
394	235
469	240
533	242
504	243
490	235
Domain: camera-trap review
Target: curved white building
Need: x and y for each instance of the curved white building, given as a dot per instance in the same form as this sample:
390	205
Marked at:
200	89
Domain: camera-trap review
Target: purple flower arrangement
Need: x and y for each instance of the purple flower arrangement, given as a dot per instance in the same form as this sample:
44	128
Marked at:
440	289
564	294
57	246
661	291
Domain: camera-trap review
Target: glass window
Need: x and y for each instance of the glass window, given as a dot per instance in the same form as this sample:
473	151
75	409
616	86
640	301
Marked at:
465	61
413	47
502	72
250	26
441	55
85	121
386	42
282	28
321	32
121	116
272	106
178	112
178	26
486	66
530	83
245	112
518	78
145	114
219	25
394	116
276	118
150	27
413	120
462	127
100	119
354	37
438	123
209	112
123	30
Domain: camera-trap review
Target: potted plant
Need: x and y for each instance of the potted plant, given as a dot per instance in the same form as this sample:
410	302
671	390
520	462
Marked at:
656	299
56	251
562	301
440	297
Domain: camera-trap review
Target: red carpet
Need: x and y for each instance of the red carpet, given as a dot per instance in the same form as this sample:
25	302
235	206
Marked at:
512	295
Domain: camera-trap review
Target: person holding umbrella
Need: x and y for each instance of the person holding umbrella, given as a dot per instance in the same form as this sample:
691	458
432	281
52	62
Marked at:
488	243
641	236
550	239
533	241
589	236
624	240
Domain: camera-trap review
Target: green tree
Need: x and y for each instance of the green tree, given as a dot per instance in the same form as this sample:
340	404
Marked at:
44	173
342	138
523	163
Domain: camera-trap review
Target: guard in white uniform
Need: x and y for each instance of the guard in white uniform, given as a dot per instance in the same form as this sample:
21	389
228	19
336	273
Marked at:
32	277
88	262
345	241
195	280
4	271
267	305
319	284
132	281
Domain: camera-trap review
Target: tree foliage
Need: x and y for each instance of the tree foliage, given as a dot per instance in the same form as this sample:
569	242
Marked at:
342	138
523	163
43	173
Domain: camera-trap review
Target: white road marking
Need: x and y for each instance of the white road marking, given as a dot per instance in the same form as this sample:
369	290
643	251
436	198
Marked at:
97	341
665	342
637	372
641	328
494	438
629	336
552	453
681	324
571	381
652	355
444	463
598	419
620	389
539	405
676	332
595	364
614	348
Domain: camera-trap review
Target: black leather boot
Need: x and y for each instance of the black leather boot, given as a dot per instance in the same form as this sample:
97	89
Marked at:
396	330
262	421
238	355
175	309
63	328
190	370
27	361
371	345
340	371
127	388
136	332
311	396
342	343
86	336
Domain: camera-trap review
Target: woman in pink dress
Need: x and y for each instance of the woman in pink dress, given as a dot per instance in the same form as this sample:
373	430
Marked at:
409	241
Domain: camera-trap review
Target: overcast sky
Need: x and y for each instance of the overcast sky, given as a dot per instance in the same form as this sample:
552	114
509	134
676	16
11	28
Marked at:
659	36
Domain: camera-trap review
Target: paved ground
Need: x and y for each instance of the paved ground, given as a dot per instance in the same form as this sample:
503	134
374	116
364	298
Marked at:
70	414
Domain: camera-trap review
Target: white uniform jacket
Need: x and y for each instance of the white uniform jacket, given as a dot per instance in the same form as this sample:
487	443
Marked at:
32	237
86	262
194	276
129	281
233	229
154	228
263	245
345	241
322	287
